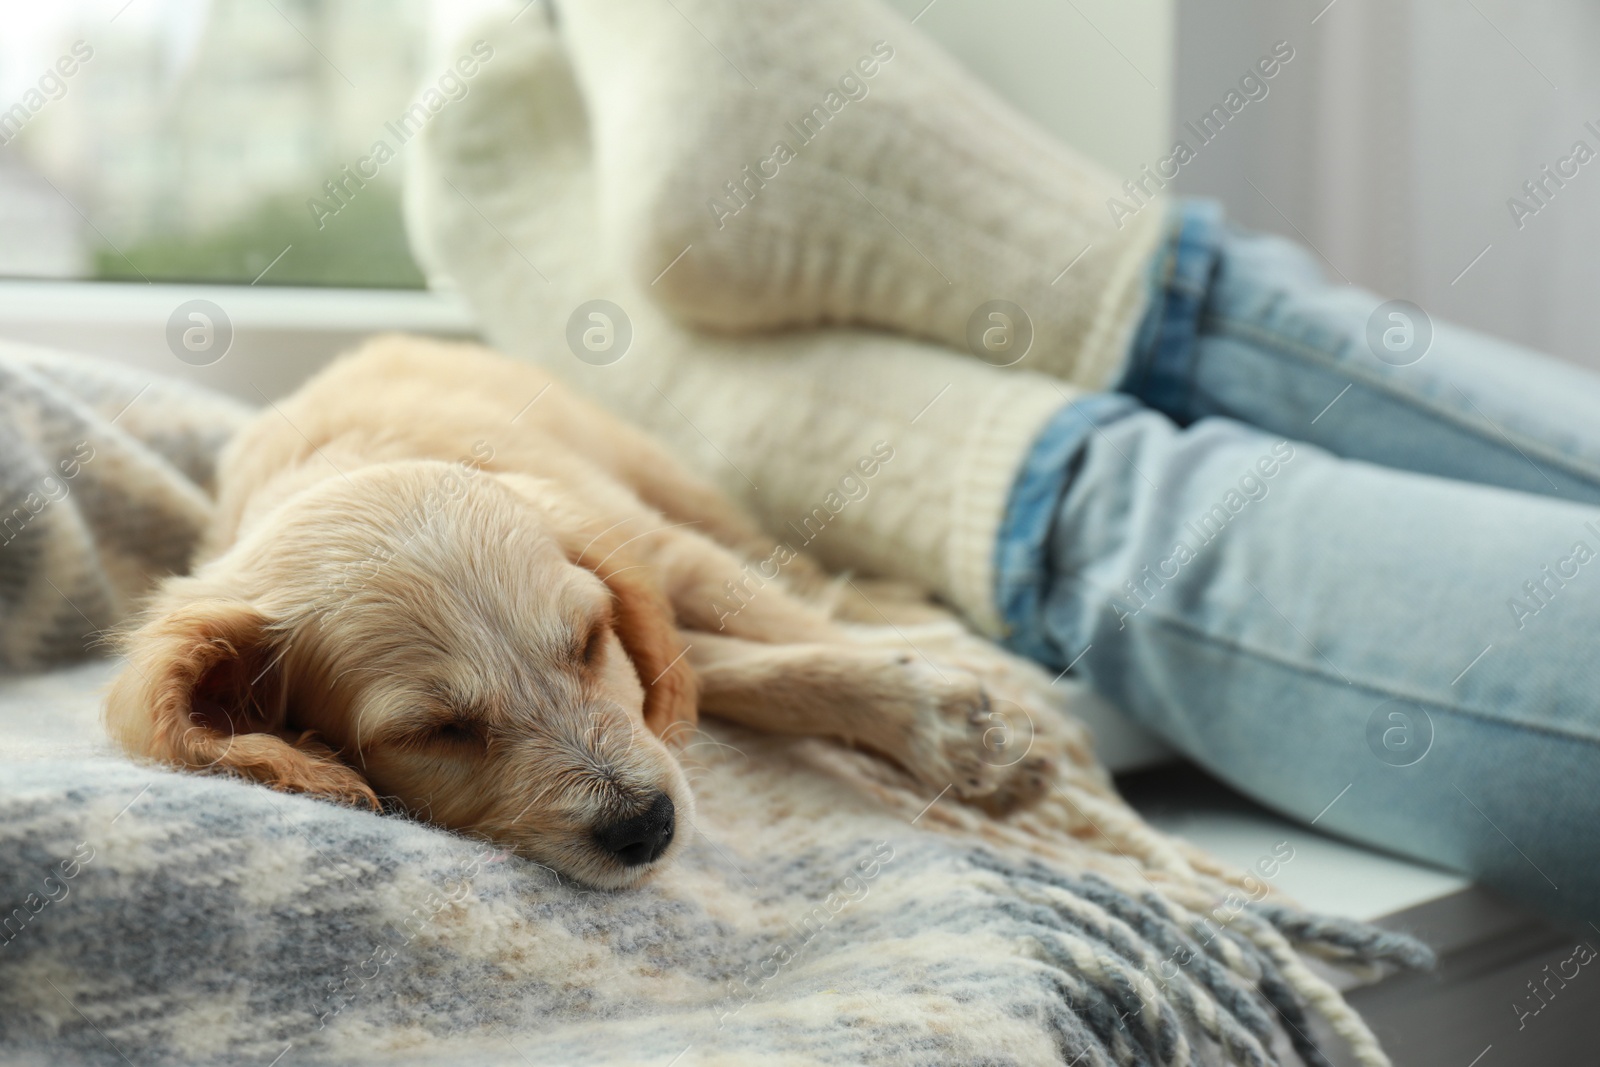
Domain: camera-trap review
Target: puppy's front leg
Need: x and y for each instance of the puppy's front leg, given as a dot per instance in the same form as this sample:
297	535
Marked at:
931	719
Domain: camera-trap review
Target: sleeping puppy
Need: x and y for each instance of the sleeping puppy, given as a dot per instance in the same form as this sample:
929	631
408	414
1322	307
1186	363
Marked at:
438	577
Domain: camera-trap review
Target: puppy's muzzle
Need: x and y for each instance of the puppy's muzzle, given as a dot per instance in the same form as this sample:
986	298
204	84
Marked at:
640	838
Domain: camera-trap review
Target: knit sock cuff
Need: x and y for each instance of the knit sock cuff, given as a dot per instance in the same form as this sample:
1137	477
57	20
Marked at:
1122	303
1003	431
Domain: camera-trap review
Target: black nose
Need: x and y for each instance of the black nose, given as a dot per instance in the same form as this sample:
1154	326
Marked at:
640	838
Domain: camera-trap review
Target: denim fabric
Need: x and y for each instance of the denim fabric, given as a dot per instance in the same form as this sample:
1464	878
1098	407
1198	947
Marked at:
1367	594
1180	281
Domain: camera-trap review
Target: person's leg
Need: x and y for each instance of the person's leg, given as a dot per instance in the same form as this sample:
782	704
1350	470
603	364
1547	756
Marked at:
1403	659
916	201
1247	326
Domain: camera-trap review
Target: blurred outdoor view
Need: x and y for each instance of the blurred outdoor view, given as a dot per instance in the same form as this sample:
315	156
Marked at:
166	140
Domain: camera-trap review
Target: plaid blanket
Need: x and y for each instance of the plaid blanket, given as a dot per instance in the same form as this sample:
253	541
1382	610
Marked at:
826	911
104	476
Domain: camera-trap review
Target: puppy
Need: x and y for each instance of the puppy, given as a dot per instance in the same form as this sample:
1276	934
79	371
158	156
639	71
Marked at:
438	577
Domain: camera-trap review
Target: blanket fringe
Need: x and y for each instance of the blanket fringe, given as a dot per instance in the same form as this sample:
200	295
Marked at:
1137	893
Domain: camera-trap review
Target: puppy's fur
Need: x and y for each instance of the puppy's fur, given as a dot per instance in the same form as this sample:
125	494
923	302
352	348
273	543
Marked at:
438	577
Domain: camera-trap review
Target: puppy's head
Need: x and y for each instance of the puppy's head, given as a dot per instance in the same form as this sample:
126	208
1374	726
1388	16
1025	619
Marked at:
460	642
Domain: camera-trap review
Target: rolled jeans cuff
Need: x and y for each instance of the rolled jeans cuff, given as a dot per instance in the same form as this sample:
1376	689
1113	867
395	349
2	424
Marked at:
1023	576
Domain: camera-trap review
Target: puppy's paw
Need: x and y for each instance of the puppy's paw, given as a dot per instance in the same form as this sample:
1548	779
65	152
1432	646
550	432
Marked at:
990	751
1023	784
947	741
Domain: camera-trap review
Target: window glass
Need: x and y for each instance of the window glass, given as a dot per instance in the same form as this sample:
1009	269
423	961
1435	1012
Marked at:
208	140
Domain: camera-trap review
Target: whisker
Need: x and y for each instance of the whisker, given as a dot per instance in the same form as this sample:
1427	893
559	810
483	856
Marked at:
376	670
620	570
710	742
602	533
647	533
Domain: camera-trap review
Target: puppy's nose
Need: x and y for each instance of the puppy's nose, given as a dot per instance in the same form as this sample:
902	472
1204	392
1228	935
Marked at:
640	838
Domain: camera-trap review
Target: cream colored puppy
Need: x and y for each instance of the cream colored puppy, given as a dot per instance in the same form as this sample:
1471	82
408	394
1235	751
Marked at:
438	577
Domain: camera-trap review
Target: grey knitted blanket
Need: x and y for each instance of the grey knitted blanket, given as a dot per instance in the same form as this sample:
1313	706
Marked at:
826	911
103	480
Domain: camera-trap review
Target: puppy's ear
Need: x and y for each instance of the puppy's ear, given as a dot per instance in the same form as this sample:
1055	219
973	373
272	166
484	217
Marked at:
204	689
646	627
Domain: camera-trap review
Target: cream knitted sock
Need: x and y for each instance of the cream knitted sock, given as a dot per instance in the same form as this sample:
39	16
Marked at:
767	163
871	452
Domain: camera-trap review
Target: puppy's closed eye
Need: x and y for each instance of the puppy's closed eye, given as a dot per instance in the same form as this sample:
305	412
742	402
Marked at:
455	733
591	646
449	729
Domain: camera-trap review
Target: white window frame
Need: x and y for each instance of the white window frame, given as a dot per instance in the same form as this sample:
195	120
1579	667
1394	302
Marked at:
281	334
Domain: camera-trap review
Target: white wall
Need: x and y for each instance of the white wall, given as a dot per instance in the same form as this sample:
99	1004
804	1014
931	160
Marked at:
1395	139
1098	73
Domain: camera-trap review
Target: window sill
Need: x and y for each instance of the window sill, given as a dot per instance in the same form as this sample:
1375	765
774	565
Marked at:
281	335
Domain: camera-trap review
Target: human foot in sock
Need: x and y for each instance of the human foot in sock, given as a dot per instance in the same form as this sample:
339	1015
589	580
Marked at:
765	164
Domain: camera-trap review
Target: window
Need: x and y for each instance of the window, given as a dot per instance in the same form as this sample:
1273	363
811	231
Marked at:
207	140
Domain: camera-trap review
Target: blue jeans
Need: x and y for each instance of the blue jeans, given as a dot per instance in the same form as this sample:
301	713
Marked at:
1345	558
